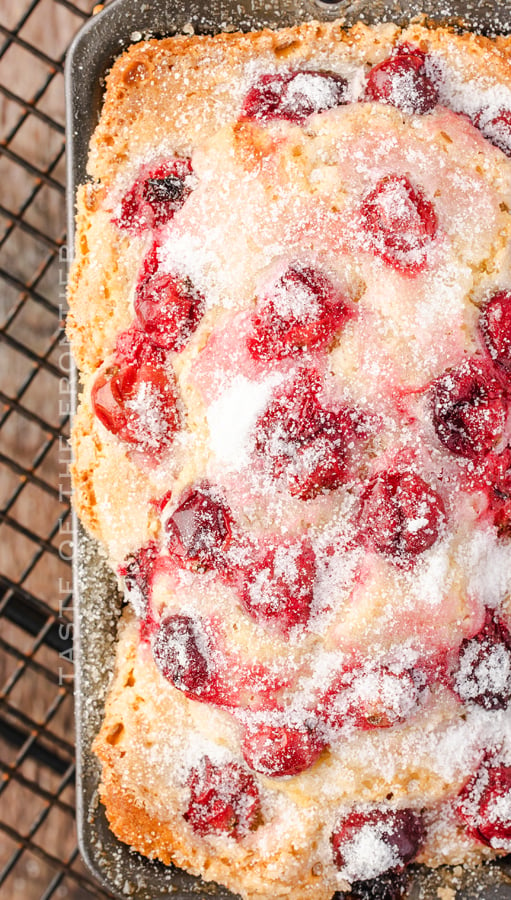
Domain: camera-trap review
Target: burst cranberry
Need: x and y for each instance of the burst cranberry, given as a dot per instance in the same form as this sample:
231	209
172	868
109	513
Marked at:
401	81
302	311
483	672
224	799
181	652
469	409
137	572
303	443
198	531
294	95
376	698
277	588
280	750
400	223
168	309
400	514
496	129
484	805
138	402
495	324
368	844
156	196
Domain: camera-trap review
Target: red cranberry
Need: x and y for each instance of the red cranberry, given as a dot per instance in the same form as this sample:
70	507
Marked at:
132	346
302	311
277	588
294	95
137	572
302	442
400	513
138	402
496	129
156	196
495	324
224	799
400	223
199	530
401	81
376	698
169	310
483	671
181	652
469	409
280	750
484	805
495	480
367	844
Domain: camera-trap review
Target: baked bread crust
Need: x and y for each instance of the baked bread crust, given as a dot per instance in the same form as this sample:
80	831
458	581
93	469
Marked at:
153	94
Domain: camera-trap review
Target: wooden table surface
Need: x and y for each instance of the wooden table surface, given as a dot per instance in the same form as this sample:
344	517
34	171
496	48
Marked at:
35	680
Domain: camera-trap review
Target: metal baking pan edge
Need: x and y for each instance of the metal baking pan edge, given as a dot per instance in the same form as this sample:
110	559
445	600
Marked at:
119	870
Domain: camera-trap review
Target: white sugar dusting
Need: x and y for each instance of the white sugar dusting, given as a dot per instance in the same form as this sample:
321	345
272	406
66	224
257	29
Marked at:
232	418
368	855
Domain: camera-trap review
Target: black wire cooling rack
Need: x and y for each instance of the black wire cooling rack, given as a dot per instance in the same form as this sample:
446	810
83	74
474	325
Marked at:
39	857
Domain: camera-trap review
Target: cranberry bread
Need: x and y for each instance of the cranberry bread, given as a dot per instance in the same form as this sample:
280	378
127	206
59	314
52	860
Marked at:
291	307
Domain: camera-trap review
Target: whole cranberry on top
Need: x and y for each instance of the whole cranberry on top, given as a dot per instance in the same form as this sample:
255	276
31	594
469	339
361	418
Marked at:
368	843
136	398
470	408
294	96
199	530
398	223
281	750
484	805
224	799
401	515
401	81
302	311
157	194
483	671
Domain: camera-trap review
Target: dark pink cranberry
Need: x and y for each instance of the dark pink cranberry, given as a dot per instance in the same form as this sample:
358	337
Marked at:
484	805
199	529
294	96
483	671
302	311
156	196
496	129
137	571
400	514
303	443
394	837
469	408
401	81
400	223
495	324
168	309
181	652
280	750
138	402
224	799
371	698
277	587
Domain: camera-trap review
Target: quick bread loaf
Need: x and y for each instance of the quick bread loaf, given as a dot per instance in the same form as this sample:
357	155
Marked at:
291	310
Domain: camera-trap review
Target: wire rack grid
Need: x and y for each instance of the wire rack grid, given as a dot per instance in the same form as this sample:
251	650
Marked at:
39	858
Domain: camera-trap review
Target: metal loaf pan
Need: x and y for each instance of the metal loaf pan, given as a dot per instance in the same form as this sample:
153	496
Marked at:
97	602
